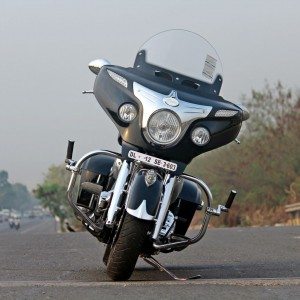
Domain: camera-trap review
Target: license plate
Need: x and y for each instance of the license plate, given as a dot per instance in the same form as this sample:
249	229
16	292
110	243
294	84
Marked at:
152	161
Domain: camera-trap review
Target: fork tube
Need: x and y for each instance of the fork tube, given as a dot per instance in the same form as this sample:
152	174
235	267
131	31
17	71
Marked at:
118	190
165	203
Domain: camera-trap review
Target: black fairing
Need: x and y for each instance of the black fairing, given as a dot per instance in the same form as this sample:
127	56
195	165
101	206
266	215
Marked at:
111	95
100	164
139	192
93	167
186	205
190	192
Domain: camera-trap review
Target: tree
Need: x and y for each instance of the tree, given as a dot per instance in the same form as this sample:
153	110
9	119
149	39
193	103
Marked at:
52	193
14	196
266	162
3	178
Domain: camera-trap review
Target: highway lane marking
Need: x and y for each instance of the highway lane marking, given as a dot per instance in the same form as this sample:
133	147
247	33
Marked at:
229	282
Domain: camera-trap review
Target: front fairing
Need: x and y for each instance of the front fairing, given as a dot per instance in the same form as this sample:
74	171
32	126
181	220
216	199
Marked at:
111	95
181	73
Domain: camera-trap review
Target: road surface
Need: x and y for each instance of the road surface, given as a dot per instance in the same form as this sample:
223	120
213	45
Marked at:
235	263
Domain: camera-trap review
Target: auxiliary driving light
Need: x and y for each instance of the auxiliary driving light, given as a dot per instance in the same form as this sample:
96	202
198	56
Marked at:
127	112
200	136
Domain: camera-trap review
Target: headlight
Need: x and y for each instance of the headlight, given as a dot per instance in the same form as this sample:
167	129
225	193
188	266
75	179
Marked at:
127	112
164	127
200	136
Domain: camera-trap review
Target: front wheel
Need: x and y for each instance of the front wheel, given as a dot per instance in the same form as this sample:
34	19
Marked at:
126	250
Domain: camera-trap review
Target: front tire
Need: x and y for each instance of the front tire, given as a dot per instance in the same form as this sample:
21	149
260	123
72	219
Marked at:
126	250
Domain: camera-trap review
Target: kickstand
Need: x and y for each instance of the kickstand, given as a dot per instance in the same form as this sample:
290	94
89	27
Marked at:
153	262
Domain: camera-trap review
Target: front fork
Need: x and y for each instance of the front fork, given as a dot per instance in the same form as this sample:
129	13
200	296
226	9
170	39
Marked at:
115	204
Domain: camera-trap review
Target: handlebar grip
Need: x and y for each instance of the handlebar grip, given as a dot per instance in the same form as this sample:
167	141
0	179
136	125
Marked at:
70	150
230	199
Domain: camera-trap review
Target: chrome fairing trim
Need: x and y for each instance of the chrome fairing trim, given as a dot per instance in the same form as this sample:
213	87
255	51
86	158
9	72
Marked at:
153	101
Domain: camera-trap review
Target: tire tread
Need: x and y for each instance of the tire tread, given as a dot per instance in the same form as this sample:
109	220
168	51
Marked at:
128	247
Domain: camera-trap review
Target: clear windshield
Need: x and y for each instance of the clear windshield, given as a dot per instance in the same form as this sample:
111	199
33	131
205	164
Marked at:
185	53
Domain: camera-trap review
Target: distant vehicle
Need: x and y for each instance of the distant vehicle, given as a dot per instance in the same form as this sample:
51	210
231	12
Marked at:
5	213
26	214
37	211
31	215
14	221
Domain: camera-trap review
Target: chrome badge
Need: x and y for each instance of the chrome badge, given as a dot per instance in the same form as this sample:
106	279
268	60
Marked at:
172	99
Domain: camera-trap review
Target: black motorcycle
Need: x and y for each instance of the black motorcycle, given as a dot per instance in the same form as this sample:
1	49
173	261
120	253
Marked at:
167	110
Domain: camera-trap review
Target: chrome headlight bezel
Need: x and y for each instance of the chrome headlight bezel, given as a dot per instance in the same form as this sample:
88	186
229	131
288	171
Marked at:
178	130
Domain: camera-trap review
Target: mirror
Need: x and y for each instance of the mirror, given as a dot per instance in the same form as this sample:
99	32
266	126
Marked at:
97	64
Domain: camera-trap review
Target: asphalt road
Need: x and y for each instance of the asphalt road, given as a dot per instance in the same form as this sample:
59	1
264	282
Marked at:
30	226
235	263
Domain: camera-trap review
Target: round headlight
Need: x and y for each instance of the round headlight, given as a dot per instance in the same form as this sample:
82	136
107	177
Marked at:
164	127
127	112
200	136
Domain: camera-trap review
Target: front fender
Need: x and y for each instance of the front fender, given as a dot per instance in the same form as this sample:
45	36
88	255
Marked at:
142	200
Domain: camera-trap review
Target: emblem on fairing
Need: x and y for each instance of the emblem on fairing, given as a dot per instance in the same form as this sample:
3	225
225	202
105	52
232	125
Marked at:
172	99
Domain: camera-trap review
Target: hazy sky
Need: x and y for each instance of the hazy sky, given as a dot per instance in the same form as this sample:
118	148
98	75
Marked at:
45	47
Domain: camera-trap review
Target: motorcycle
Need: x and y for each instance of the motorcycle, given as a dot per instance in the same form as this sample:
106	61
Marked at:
14	222
168	110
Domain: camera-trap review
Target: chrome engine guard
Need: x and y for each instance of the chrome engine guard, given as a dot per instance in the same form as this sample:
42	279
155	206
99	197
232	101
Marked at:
209	211
75	168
